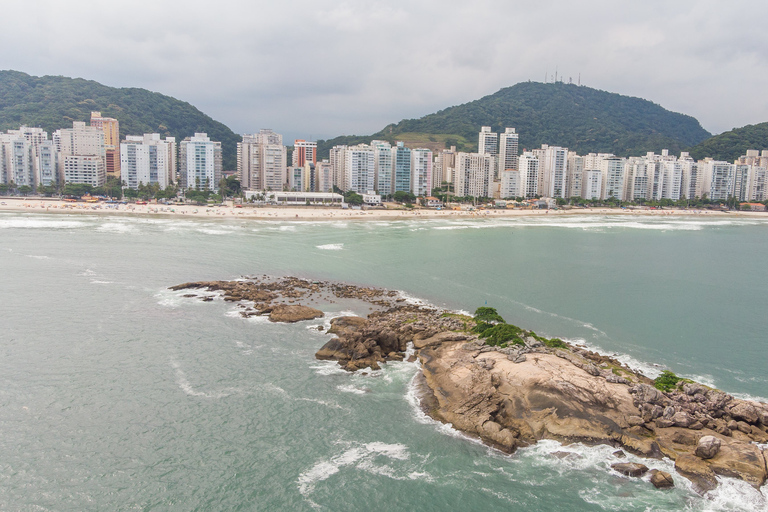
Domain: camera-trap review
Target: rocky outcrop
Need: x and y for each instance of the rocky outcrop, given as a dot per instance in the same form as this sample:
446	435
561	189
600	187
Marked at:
661	479
630	468
291	314
513	396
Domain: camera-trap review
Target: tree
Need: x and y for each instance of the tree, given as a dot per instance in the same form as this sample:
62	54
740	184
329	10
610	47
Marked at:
25	189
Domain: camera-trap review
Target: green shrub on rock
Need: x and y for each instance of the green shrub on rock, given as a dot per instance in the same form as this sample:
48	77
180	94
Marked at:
667	381
488	315
503	335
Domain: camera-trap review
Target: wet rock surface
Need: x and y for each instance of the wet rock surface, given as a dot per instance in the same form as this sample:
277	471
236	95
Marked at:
514	396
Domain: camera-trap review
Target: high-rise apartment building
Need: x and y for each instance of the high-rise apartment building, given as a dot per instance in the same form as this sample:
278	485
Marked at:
508	149
303	152
324	176
529	167
445	162
473	174
383	166
553	162
148	159
17	160
261	161
359	169
111	128
200	163
83	154
612	169
401	173
592	184
421	172
575	174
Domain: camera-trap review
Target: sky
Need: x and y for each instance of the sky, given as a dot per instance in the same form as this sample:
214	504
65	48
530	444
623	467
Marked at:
315	69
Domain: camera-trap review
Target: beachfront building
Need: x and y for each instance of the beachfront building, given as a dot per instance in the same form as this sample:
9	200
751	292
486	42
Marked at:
294	198
324	176
508	149
575	173
336	156
528	165
692	182
511	185
401	172
553	161
421	172
262	161
111	128
592	184
359	169
148	159
17	160
383	165
473	175
445	162
296	179
719	179
83	154
303	152
612	169
635	179
200	163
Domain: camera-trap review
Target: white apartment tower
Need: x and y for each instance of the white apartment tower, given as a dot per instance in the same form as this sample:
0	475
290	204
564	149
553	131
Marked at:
553	172
473	174
528	166
592	184
359	169
200	162
508	149
383	165
421	172
83	154
148	159
262	160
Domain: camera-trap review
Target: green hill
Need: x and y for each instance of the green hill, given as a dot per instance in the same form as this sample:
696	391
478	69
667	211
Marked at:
53	102
579	118
731	145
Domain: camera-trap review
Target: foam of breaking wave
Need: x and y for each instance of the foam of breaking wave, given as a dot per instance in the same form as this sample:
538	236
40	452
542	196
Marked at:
415	301
348	388
330	247
216	231
27	223
362	457
328	368
747	396
650	370
36	257
117	227
188	389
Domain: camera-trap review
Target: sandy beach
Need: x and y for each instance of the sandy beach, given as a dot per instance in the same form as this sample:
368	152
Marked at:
284	213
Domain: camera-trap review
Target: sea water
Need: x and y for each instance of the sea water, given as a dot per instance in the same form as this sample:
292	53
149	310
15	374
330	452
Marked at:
118	394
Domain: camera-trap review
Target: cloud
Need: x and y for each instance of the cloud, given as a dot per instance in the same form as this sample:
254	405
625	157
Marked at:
321	68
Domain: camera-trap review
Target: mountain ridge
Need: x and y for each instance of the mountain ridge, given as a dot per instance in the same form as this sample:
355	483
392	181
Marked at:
53	102
573	116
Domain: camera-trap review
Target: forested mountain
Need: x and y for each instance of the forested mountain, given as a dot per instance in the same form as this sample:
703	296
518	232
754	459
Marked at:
577	117
53	102
731	145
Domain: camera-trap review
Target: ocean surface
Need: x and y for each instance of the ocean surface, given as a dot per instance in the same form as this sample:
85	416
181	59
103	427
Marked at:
118	394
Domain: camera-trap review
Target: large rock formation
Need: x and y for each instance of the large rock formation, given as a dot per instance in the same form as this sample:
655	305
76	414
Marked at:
515	395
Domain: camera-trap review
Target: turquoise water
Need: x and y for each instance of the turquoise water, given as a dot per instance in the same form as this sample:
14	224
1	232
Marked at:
118	394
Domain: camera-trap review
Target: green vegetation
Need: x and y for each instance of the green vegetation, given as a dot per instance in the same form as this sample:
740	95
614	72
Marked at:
53	102
731	145
668	381
580	118
485	314
503	335
496	332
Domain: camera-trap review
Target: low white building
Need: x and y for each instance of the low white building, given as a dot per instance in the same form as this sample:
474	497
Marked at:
371	198
296	198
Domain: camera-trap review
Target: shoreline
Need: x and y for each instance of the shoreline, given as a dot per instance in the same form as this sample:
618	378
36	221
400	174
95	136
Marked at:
319	213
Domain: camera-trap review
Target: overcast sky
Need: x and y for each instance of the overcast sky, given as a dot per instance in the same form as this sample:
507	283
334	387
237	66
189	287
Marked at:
317	68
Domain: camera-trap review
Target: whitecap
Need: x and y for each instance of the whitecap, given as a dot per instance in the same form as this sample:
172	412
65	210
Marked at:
352	389
116	227
330	247
36	257
27	223
186	386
